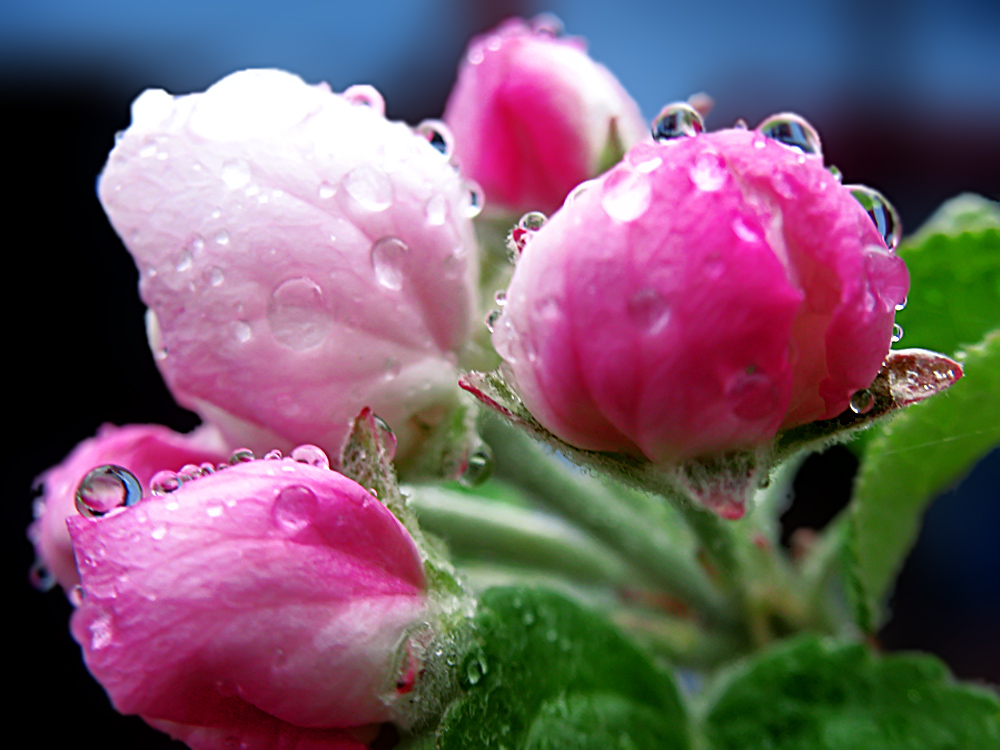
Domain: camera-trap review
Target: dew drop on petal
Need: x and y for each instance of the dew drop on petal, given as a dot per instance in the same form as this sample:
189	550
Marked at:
880	211
793	131
40	577
862	401
436	210
648	310
105	488
474	199
370	187
365	96
326	190
901	305
626	195
500	297
577	192
388	258
297	314
236	174
184	262
310	454
677	120
752	396
294	508
897	333
491	319
478	466
242	331
164	482
240	456
709	172
273	455
221	238
439	136
837	174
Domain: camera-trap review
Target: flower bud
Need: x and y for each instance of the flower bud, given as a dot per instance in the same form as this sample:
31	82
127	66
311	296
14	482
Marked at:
706	293
533	116
141	449
301	257
262	604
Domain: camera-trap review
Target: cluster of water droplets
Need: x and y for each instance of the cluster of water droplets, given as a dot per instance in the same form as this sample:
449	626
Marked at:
109	487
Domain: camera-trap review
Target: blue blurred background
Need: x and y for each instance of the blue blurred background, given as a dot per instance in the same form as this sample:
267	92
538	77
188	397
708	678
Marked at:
906	95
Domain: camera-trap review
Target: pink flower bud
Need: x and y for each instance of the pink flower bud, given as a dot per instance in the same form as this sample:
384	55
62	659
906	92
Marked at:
706	293
533	115
263	604
301	256
142	449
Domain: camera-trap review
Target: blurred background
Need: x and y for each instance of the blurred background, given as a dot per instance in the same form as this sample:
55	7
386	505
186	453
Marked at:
905	94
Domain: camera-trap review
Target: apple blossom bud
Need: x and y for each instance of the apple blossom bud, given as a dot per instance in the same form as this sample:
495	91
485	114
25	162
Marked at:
141	449
533	116
271	599
708	292
301	256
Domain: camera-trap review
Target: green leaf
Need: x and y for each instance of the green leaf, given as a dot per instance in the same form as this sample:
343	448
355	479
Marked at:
954	263
922	452
811	693
541	672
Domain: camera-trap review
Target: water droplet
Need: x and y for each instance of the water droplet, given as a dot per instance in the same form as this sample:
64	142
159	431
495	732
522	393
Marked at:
310	454
793	131
500	298
648	310
901	305
160	532
294	508
386	437
240	456
740	124
579	190
523	231
473	199
709	172
862	401
439	136
215	276
677	120
837	174
474	669
436	210
207	468
326	190
76	595
897	333
214	511
370	187
389	257
532	221
491	319
221	237
547	24
626	195
184	262
880	211
236	174
188	472
273	455
297	314
365	96
40	577
105	488
478	466
752	396
164	482
242	331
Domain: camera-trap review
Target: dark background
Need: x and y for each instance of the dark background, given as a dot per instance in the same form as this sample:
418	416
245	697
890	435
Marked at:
906	96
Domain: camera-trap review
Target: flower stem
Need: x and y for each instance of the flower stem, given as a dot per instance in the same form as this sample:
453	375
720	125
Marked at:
657	551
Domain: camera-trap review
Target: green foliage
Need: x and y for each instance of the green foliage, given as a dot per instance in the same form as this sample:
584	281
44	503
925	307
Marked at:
954	301
543	673
811	693
954	263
